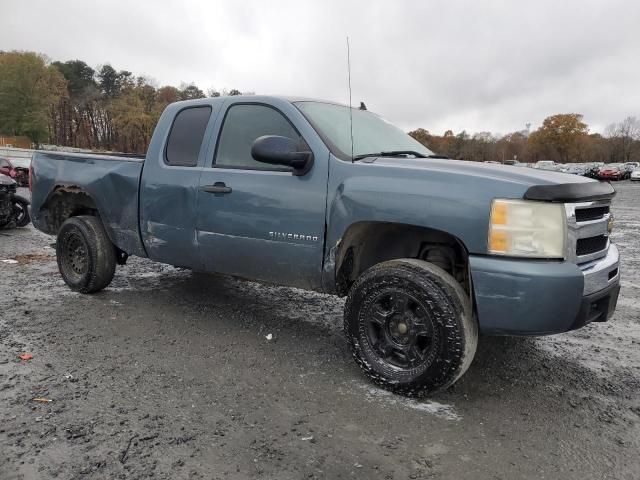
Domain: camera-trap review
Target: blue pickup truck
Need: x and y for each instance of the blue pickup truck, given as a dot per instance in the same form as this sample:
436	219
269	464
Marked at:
429	252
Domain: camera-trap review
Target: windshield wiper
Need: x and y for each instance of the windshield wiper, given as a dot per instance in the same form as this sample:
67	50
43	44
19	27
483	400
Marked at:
393	153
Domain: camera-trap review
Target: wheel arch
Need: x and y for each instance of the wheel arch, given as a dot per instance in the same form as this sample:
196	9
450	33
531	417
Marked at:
367	243
64	202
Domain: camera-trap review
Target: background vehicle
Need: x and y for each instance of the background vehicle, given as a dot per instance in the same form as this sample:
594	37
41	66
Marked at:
427	251
545	165
632	165
14	209
626	169
635	175
593	171
610	172
16	168
577	170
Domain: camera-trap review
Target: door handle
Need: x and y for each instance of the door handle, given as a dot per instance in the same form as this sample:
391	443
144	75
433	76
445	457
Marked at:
218	187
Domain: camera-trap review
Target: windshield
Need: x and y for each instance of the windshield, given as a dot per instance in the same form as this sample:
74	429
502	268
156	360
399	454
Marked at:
371	133
21	162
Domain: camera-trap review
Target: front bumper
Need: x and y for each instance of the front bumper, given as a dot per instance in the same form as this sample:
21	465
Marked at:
597	307
540	297
601	273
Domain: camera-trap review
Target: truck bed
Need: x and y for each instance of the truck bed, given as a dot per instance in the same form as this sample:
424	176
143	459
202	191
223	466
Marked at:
112	182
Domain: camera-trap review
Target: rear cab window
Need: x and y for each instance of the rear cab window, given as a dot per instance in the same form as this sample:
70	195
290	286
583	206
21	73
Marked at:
186	135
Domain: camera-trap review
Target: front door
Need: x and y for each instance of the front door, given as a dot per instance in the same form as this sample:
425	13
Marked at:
256	220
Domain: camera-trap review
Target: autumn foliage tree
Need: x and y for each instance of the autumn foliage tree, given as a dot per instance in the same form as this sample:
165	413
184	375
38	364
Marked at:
560	136
72	104
28	87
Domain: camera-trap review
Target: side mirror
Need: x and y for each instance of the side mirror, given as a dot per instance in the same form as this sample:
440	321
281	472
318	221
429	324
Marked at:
277	150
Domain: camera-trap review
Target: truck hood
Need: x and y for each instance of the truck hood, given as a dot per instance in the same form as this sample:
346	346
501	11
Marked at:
538	184
523	175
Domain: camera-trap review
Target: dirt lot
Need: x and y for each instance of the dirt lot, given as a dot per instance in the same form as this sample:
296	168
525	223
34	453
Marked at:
169	374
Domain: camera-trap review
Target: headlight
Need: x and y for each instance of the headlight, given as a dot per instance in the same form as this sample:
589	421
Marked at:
522	228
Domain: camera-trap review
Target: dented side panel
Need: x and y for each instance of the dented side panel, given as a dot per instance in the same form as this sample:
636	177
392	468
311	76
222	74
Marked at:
111	182
455	202
169	194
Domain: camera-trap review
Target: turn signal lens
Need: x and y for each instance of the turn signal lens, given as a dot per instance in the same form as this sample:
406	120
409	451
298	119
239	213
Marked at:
499	213
522	228
498	241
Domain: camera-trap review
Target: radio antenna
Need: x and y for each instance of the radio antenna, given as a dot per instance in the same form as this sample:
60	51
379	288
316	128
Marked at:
350	109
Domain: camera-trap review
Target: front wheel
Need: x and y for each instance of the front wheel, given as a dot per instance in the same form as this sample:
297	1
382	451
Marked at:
86	257
410	326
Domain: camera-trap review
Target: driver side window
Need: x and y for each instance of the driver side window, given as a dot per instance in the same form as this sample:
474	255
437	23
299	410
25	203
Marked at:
243	124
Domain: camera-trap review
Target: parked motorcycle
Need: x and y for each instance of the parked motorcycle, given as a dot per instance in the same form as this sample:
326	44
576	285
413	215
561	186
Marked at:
14	208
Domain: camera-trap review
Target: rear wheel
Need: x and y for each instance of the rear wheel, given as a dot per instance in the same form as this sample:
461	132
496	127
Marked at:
86	256
410	326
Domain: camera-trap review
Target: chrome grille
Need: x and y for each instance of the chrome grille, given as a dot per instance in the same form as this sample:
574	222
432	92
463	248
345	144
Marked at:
586	246
587	230
591	213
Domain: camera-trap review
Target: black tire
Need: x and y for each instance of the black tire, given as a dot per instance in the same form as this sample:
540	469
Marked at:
86	256
425	347
21	209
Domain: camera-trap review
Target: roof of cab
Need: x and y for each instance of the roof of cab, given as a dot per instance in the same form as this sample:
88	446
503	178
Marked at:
253	98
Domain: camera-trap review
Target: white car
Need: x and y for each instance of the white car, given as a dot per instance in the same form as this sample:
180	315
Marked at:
545	165
635	175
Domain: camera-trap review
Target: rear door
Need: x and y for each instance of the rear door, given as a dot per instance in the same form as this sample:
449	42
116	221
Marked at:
262	222
168	191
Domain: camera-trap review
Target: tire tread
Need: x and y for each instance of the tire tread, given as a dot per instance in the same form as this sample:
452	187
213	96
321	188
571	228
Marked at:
420	272
102	262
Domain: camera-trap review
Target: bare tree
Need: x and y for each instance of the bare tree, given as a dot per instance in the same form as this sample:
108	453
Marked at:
624	136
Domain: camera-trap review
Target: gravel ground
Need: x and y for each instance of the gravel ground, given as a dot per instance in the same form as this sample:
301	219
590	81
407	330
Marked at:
170	375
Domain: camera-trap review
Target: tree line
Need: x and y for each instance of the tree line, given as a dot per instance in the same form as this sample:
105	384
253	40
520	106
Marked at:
562	138
74	105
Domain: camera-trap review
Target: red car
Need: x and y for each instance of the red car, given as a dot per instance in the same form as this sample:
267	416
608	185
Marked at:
16	168
610	173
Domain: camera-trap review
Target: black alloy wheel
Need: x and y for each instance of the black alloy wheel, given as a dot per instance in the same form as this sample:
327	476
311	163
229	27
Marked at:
400	330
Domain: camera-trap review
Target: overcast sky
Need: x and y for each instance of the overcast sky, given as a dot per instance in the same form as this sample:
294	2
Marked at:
474	65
